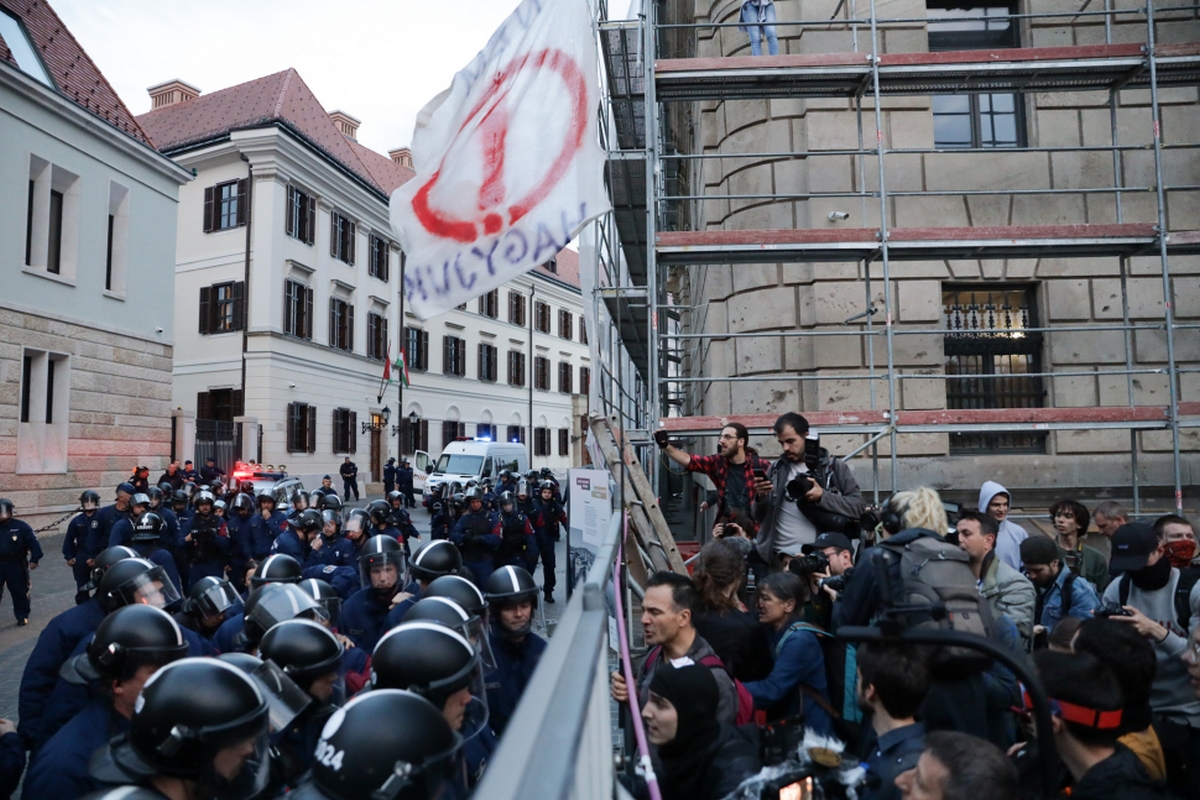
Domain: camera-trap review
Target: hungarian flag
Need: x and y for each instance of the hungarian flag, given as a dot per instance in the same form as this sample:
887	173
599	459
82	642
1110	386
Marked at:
509	166
402	368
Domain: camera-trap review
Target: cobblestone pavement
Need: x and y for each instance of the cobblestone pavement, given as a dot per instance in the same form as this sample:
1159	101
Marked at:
54	592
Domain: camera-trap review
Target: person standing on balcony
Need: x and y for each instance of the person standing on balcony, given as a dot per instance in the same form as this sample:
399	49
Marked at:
731	469
758	20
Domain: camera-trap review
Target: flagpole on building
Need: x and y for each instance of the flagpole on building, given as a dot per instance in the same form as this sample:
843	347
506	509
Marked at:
403	355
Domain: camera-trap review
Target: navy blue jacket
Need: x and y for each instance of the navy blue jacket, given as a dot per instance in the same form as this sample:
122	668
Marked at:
289	543
263	532
171	537
799	661
108	517
54	646
225	639
396	615
80	533
18	539
60	768
515	663
12	763
340	552
364	618
344	580
238	529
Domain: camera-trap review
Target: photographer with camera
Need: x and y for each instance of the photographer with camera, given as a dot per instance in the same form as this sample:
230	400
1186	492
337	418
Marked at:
732	469
1146	591
1060	592
805	492
827	563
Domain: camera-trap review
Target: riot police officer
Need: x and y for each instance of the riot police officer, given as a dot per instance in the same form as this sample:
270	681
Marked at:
19	553
309	655
335	550
512	596
516	535
383	572
265	526
550	515
79	542
144	533
208	540
237	525
56	643
477	534
210	601
404	483
199	730
387	743
431	561
130	646
302	540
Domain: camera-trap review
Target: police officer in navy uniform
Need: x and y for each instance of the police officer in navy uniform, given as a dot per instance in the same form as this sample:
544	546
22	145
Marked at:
78	543
267	524
551	514
477	534
404	480
516	535
237	524
210	471
130	646
19	553
389	476
383	574
302	540
111	514
512	597
208	540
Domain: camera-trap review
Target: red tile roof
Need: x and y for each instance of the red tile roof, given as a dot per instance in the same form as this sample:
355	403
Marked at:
279	98
75	75
567	265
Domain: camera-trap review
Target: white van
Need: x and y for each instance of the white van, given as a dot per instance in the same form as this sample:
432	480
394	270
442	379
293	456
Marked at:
462	461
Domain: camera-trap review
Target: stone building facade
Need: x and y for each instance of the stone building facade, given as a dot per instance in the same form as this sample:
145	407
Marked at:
87	243
1041	142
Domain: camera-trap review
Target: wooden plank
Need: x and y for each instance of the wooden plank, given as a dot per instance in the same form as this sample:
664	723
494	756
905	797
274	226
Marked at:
1012	55
758	422
653	512
1013	232
756	63
980	416
754	237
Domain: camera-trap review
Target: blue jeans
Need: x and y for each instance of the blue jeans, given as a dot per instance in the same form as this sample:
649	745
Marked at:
749	20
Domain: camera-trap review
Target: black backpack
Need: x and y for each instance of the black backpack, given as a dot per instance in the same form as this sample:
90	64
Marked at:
841	671
1183	590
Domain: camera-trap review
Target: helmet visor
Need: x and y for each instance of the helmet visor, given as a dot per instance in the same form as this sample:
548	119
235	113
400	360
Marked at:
353	525
382	572
217	599
240	770
285	700
90	504
152	588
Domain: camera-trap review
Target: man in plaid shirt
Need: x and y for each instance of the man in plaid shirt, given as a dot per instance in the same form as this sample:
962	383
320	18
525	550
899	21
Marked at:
731	469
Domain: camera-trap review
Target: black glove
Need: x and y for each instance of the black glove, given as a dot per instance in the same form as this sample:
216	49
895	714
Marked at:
662	438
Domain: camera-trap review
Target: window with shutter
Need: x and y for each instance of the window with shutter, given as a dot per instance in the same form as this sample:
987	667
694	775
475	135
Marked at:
239	305
237	402
564	441
290	217
205	309
209	213
243	201
312	429
308	313
203	405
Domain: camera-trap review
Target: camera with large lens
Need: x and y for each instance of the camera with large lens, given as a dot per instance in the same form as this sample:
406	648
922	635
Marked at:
870	519
835	582
809	563
797	487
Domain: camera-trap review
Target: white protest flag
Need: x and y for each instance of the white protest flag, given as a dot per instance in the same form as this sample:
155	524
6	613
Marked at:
507	161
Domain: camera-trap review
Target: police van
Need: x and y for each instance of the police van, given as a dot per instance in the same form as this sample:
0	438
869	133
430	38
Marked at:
472	458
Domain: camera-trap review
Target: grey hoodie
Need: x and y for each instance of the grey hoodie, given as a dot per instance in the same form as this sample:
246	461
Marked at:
1008	542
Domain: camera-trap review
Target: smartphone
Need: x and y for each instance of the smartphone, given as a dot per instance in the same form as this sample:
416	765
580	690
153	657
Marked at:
760	475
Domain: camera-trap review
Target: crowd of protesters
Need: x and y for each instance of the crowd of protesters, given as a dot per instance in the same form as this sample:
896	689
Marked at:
1108	620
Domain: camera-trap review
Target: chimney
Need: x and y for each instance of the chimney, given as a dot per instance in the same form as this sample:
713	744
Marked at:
402	156
345	123
171	93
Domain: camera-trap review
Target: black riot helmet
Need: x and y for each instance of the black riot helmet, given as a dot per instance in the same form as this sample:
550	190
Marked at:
124	793
203	496
379	511
510	585
474	493
89	500
276	568
330	502
309	521
378	555
156	498
326	597
384	745
127	639
300	500
179	498
303	649
166	488
187	713
243	661
271	604
140	499
135	580
507	502
265	497
434	559
242	502
147	528
332	522
467	596
544	485
441	610
430	659
505	474
522	488
547	472
211	596
105	559
393	496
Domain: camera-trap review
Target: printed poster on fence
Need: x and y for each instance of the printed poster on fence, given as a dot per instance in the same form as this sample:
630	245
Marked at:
591	513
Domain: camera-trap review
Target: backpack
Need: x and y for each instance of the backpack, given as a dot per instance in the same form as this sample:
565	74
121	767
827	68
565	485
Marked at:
745	701
1183	591
841	675
935	571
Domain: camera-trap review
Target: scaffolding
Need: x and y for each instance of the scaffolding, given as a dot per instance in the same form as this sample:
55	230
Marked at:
657	247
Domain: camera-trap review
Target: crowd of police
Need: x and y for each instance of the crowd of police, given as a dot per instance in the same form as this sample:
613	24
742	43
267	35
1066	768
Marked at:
898	650
221	647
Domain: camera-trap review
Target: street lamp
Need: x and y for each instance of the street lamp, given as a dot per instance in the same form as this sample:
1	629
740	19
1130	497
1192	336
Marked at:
377	422
413	419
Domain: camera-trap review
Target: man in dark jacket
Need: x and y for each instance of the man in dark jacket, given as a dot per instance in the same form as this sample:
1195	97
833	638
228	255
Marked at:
404	482
389	476
1087	721
788	520
19	553
349	473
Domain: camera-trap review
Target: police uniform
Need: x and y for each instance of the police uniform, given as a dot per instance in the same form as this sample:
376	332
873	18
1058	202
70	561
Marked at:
81	537
363	618
60	767
518	547
18	549
264	531
515	663
477	535
210	547
550	514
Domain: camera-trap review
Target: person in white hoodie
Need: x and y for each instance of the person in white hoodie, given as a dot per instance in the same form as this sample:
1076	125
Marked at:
994	500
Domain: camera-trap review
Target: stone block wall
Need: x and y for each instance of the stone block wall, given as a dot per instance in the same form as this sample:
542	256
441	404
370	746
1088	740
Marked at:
119	414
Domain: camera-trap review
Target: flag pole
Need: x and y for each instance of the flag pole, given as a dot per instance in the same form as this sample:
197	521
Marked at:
404	355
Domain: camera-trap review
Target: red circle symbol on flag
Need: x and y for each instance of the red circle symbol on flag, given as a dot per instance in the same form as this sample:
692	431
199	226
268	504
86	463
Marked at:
491	121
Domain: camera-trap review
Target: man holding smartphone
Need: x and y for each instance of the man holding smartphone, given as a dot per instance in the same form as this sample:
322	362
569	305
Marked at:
788	521
732	470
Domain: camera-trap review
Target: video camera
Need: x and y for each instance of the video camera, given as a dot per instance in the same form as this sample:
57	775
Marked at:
809	563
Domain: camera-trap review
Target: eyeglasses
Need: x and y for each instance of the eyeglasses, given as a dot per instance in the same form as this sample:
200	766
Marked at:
1192	653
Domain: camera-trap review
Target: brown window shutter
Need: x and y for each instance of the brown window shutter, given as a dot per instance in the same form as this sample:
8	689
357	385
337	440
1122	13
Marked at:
237	402
239	305
351	431
243	201
349	327
205	309
310	216
209	211
291	427
351	231
290	216
308	312
334	239
312	429
203	405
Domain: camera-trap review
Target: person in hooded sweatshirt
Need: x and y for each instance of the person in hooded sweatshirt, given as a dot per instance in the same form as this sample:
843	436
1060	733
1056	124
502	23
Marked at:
995	501
701	757
1087	721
